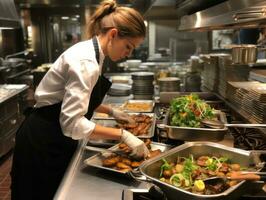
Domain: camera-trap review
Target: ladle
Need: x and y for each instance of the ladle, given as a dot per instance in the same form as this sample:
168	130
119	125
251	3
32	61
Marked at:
251	176
218	124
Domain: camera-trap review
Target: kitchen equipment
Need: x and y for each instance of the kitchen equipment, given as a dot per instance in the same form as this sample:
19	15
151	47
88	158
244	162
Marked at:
194	134
139	106
120	79
245	53
110	122
248	176
96	160
119	89
150	169
142	87
218	124
193	82
133	63
116	151
169	84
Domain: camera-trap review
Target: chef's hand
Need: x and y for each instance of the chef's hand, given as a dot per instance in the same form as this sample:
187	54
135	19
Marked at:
122	116
138	147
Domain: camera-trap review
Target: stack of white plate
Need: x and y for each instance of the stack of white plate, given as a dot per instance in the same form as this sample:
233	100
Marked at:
169	84
142	87
118	89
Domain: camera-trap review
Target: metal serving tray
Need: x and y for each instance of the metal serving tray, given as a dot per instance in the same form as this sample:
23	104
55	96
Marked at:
113	123
96	160
150	102
194	134
150	169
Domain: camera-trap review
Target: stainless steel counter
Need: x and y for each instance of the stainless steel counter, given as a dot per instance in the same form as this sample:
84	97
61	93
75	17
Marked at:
9	90
84	182
12	104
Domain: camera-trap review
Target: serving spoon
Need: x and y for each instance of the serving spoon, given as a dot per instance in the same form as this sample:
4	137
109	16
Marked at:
240	176
219	125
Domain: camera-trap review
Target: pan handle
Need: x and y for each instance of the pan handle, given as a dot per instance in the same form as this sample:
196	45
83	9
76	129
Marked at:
135	174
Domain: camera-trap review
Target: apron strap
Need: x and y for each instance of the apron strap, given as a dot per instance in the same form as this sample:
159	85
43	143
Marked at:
96	47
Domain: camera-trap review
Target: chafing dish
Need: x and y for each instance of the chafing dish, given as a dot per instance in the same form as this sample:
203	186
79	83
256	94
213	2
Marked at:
194	134
127	106
150	169
113	123
96	160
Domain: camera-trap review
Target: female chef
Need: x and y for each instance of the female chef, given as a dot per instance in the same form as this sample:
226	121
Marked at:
66	98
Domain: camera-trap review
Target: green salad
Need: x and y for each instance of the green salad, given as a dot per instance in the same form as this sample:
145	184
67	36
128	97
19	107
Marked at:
188	111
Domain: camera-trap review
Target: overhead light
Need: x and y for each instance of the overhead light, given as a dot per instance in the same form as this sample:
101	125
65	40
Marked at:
5	28
77	16
64	17
74	19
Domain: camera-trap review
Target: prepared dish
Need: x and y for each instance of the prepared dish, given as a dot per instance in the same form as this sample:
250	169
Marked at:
141	126
100	160
189	173
126	163
189	110
144	126
139	106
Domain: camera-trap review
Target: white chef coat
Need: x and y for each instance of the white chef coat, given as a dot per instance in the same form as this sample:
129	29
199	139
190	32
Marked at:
71	80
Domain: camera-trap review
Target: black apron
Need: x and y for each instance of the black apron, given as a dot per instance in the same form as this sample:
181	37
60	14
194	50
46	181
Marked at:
42	152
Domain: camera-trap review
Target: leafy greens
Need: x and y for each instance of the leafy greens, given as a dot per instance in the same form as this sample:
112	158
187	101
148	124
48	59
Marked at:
188	111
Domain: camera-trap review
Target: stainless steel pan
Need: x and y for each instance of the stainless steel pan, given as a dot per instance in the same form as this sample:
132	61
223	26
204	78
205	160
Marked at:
245	54
194	134
150	169
96	160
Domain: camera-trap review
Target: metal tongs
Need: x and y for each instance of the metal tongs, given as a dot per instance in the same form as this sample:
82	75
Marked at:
102	150
115	151
218	124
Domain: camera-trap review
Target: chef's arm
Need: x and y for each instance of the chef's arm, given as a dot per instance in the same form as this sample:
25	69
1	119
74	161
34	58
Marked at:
108	133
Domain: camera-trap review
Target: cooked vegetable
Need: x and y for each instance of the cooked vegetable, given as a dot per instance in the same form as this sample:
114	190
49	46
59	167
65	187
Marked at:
199	186
179	168
189	173
188	111
165	166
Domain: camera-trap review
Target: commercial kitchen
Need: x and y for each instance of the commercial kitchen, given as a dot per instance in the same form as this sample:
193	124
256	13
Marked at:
204	51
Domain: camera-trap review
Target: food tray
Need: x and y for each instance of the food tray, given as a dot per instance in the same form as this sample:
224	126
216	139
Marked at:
96	160
194	134
151	168
151	104
113	123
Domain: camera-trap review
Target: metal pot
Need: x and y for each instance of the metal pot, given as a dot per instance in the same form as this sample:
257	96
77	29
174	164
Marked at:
245	54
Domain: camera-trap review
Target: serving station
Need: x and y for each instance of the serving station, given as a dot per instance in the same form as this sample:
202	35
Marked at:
87	178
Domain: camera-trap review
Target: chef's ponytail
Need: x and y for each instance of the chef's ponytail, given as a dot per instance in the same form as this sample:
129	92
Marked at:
128	21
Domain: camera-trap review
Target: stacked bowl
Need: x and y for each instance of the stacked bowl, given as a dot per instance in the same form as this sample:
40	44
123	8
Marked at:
142	87
169	84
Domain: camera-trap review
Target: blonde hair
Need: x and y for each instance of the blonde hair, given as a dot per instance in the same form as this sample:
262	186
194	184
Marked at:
128	21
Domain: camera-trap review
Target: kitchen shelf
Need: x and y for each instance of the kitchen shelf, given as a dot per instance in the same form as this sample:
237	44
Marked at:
19	74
